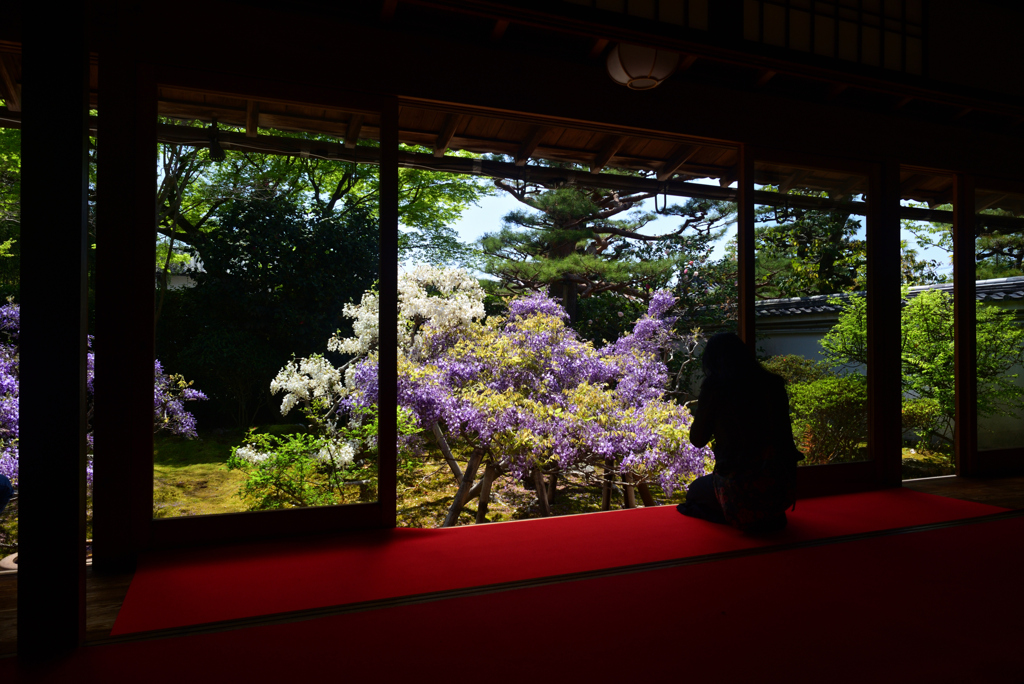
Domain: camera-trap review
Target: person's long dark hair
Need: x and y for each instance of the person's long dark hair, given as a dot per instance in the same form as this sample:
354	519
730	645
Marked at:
726	356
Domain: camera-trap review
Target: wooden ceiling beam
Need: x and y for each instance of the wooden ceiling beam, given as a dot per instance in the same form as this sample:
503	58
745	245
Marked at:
197	137
607	152
355	124
252	118
444	138
682	154
11	90
531	144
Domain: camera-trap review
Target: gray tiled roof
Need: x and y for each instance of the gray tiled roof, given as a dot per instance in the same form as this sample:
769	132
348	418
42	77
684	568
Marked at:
995	290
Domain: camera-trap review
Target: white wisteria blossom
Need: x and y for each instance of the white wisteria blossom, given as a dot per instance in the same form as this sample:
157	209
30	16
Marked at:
247	453
338	453
428	297
446	299
365	326
303	380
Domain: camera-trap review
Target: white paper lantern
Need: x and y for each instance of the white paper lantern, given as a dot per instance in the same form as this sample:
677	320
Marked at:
639	67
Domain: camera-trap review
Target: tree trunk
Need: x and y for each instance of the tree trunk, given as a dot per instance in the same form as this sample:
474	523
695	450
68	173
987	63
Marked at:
552	487
490	472
630	495
474	491
566	292
446	450
606	489
467	483
645	494
542	492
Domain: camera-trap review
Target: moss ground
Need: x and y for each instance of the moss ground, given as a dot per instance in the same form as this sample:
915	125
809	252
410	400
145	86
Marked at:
191	478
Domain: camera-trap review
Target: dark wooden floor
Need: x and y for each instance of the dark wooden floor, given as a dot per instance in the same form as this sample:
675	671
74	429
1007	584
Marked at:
105	593
1007	492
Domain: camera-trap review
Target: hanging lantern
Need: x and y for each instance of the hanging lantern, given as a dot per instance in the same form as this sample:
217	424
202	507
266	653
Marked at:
639	67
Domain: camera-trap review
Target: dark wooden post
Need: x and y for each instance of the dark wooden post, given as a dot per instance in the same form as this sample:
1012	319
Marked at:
387	366
745	244
965	433
884	363
52	485
125	305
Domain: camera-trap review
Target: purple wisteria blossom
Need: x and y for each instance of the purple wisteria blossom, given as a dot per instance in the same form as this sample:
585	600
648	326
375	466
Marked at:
531	393
169	394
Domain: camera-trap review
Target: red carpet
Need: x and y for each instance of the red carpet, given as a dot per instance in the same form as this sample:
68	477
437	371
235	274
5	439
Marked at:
935	606
261	579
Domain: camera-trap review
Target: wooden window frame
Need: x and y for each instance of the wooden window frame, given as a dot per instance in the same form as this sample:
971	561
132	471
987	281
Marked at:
882	469
123	515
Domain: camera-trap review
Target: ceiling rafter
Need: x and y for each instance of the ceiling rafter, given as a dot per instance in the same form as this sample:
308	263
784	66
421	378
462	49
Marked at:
500	26
687	62
996	198
188	135
355	125
911	183
764	77
607	152
531	144
252	118
444	138
793	180
682	155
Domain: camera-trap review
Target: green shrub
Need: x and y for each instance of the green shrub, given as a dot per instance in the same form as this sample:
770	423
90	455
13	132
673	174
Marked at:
829	417
795	369
921	415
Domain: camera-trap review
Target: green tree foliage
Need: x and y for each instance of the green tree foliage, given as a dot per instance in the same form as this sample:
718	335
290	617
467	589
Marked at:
999	246
829	417
273	282
828	409
10	211
192	189
927	357
804	252
577	243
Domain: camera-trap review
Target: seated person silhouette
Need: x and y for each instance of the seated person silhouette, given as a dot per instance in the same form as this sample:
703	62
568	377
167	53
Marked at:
745	409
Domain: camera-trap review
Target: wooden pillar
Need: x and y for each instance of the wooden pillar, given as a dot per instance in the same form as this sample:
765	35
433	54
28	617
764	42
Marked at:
52	484
125	309
965	434
388	359
883	287
745	244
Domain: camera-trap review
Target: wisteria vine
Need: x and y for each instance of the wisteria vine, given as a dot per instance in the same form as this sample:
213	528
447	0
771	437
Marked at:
522	388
